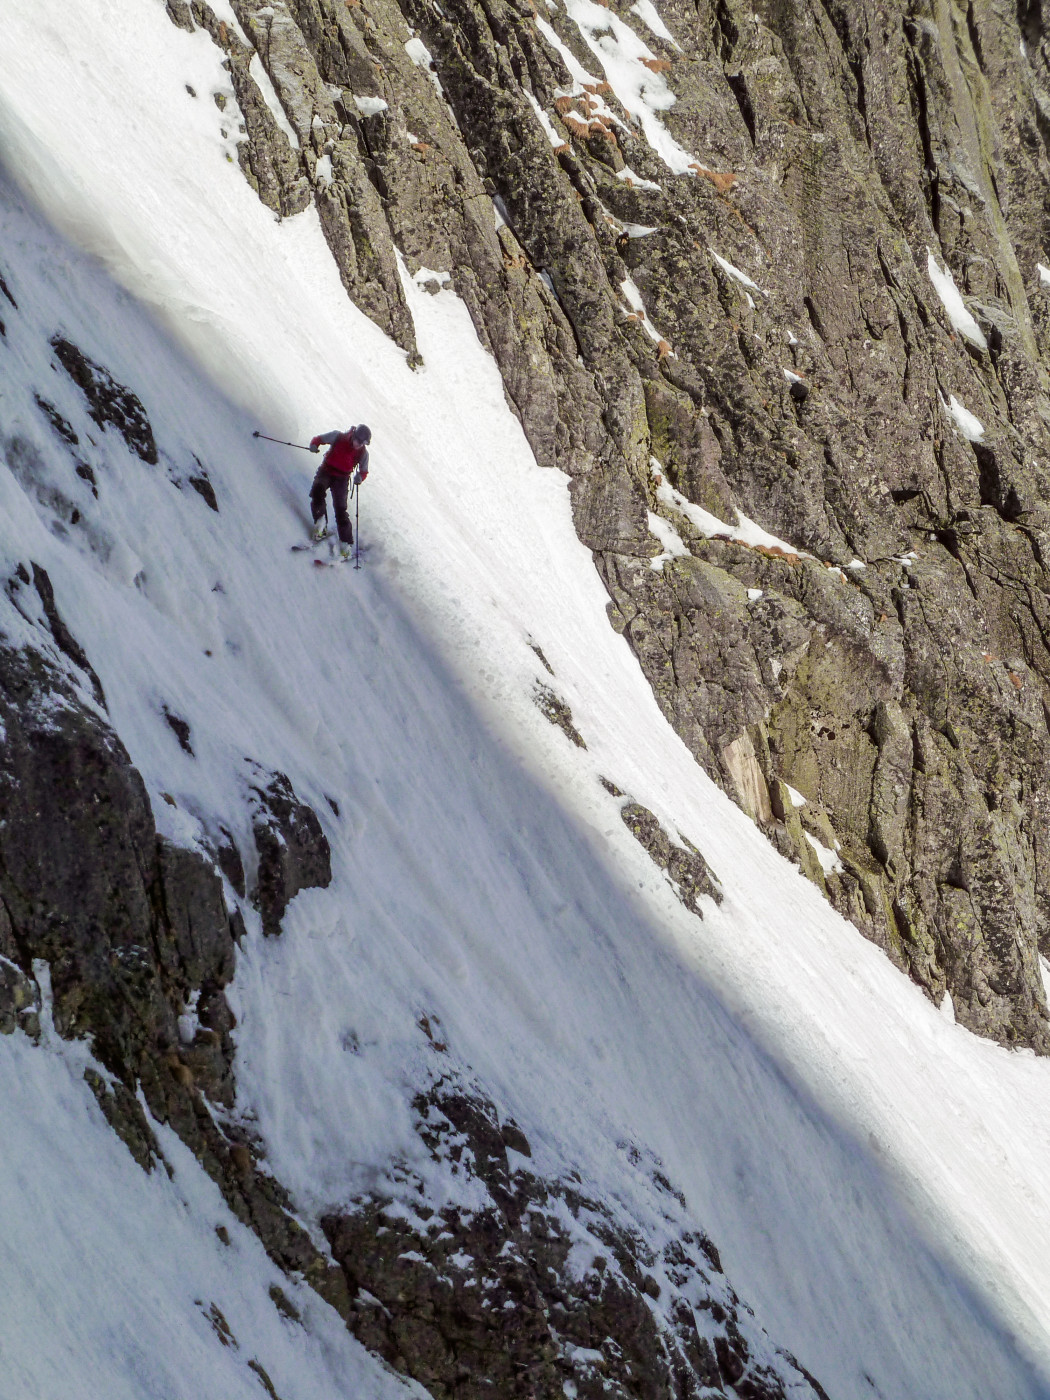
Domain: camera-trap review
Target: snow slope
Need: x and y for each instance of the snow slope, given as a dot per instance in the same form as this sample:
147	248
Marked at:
875	1178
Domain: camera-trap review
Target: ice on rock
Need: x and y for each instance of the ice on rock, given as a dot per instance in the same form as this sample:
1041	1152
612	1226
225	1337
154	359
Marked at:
370	106
262	81
951	300
650	16
968	423
737	276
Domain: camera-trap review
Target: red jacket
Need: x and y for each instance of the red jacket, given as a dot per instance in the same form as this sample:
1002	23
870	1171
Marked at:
343	457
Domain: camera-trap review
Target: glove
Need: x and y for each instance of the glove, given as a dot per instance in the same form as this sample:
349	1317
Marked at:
314	447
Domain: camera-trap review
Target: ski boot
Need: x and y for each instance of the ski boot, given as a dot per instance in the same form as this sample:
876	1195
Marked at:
319	532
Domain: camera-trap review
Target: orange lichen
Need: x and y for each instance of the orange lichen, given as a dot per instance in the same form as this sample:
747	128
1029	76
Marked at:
656	65
663	349
774	551
722	180
575	125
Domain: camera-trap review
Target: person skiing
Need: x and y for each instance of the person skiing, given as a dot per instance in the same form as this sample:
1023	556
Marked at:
345	464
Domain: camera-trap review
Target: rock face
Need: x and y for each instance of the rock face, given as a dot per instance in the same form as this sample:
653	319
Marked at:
538	1292
293	850
782	260
689	872
108	402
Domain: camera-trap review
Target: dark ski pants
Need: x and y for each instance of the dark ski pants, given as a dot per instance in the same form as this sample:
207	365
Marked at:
339	485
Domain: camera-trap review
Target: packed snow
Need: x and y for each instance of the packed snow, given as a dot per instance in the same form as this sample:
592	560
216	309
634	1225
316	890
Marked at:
672	544
630	69
855	1155
745	531
633	298
829	859
629	177
650	17
423	58
968	423
117	1283
266	87
737	276
371	106
951	300
556	140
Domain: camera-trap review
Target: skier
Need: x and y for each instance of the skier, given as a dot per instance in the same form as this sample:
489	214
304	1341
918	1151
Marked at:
345	464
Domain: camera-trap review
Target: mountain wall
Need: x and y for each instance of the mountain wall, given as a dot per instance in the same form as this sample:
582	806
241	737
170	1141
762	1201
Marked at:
778	260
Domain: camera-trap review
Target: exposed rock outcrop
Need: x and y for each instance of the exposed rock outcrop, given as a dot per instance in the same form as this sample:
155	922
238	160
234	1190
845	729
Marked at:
689	873
292	848
538	1291
109	402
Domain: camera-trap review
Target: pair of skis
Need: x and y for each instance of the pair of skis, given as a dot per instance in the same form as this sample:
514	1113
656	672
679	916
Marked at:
307	545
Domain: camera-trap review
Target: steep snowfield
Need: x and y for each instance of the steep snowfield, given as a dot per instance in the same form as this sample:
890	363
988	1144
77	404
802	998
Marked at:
113	1278
877	1180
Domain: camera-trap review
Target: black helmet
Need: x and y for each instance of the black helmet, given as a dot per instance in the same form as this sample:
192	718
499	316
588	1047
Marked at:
362	435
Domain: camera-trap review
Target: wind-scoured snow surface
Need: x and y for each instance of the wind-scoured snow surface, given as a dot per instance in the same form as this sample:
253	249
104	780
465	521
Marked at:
877	1180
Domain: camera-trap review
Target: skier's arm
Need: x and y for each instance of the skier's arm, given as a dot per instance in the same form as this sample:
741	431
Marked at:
327	438
361	471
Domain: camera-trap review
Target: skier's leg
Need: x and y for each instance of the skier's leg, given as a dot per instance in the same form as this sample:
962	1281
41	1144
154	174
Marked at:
320	485
340	487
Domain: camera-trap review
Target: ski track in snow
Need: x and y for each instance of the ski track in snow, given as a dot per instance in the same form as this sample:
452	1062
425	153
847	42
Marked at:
859	1160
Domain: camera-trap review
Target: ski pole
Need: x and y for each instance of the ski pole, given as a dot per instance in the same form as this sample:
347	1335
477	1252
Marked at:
357	525
282	441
